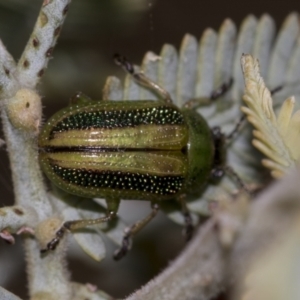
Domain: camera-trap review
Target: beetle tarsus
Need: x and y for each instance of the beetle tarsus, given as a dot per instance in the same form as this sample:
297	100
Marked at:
189	227
126	245
221	90
124	63
141	78
276	89
237	179
55	241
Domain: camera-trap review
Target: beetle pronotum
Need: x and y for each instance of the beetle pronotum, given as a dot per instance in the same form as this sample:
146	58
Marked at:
144	150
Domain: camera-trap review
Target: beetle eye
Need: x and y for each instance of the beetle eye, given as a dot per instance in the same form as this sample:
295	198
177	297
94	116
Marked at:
217	173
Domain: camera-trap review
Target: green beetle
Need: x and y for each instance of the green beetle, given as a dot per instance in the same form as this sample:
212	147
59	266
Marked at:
144	150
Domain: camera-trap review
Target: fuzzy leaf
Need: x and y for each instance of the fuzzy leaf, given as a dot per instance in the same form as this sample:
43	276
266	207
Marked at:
6	295
197	69
276	137
88	239
86	291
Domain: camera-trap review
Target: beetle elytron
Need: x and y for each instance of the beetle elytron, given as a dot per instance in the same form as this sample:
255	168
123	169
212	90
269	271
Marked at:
144	150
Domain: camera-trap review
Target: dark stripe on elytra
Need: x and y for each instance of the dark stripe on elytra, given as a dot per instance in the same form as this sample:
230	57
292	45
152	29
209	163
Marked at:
158	185
109	119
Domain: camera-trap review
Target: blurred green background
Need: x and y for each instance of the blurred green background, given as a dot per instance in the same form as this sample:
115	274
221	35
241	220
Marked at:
94	30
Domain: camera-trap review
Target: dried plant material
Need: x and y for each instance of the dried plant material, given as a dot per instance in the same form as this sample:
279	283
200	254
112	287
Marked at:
230	215
194	71
265	258
274	274
275	136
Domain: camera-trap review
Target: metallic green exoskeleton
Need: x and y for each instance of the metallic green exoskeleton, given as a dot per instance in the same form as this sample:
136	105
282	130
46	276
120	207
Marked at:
144	150
148	150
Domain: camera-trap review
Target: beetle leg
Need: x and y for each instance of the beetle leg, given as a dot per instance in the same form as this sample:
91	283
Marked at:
220	91
236	129
194	103
189	227
216	94
55	241
238	180
131	231
219	167
75	224
141	79
112	208
204	101
276	89
218	172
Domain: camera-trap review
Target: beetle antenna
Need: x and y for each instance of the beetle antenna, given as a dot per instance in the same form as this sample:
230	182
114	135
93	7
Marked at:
242	119
236	129
237	179
141	79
